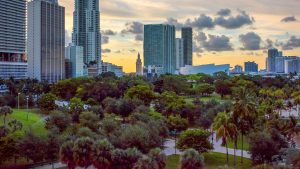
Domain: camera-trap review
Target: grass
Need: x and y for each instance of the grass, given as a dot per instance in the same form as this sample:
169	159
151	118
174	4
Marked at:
35	121
239	143
212	161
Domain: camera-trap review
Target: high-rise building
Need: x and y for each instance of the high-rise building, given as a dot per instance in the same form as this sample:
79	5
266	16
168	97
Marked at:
139	66
279	64
187	36
179	53
237	69
271	59
75	54
159	47
86	31
251	67
291	64
13	39
46	40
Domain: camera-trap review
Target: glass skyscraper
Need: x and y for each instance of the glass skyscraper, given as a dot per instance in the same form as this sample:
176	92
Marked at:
86	30
159	47
187	36
46	40
13	39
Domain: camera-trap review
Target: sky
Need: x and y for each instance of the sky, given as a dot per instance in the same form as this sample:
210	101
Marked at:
225	31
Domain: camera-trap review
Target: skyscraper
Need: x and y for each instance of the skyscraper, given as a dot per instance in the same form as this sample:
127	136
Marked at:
271	60
179	53
46	40
159	47
13	39
86	30
75	55
187	36
139	66
251	67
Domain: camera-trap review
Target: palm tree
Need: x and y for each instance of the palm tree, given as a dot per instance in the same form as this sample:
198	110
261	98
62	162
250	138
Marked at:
4	111
66	154
83	151
225	129
158	158
244	112
191	159
102	152
297	102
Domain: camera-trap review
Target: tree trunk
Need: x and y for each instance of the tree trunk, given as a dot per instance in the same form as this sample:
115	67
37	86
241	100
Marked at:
235	148
242	158
227	155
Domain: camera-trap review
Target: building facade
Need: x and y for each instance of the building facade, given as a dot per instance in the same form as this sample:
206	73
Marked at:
109	67
206	69
279	64
46	40
13	39
86	31
139	66
179	53
237	69
251	67
76	59
271	59
159	47
291	65
187	36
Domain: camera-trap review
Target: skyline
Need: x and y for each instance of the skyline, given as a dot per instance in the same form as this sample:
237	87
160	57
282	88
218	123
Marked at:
220	36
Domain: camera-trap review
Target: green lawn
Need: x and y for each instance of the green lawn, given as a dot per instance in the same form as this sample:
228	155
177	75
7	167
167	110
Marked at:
212	161
34	122
239	145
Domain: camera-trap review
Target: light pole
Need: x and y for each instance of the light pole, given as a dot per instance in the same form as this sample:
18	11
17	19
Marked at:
27	97
18	101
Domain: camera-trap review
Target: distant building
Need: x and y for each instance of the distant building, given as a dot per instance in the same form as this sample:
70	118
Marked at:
152	71
251	67
46	40
187	36
86	31
271	60
159	47
206	69
237	69
291	65
75	54
179	53
13	39
68	68
139	66
279	64
109	67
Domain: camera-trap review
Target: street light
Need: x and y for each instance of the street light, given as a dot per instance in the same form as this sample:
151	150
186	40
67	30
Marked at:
18	101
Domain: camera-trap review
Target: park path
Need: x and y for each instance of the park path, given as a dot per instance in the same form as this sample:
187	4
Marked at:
218	148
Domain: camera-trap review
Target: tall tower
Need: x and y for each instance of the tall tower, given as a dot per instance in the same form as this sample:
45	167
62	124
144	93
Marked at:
159	47
179	53
13	39
46	40
139	66
271	60
187	36
86	30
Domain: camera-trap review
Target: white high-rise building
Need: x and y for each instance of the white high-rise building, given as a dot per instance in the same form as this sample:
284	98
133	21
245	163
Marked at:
279	64
179	53
86	31
75	54
13	39
46	40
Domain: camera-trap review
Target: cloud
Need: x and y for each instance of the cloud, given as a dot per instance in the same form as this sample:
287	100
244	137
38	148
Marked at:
106	50
224	12
118	51
105	40
289	19
173	21
214	42
201	22
133	27
250	41
293	42
139	37
234	22
132	50
269	44
108	32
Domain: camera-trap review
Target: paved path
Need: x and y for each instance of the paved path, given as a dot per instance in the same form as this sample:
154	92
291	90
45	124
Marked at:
170	148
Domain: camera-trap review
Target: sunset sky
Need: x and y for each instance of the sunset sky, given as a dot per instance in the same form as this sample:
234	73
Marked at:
225	31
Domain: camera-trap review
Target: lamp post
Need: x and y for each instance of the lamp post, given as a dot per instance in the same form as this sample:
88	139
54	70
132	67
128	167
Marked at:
27	97
18	101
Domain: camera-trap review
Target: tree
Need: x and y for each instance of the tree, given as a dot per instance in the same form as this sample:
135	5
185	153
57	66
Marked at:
47	102
158	158
76	107
177	123
98	110
90	120
52	148
125	159
223	87
66	154
15	125
58	120
225	130
102	154
83	151
197	139
191	159
141	92
204	89
262	147
5	111
9	148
